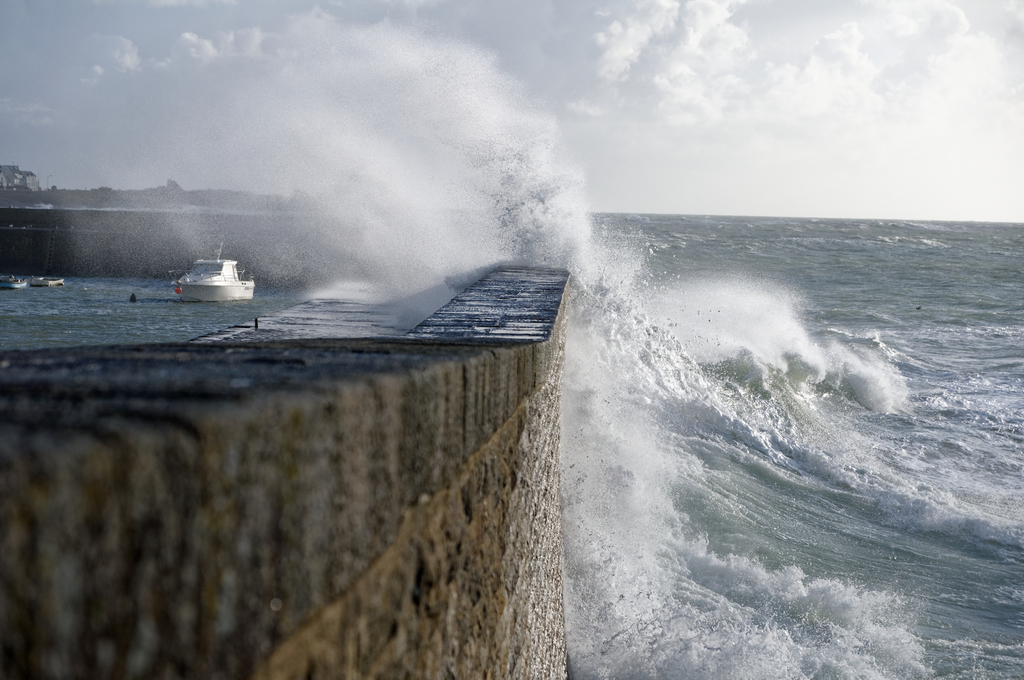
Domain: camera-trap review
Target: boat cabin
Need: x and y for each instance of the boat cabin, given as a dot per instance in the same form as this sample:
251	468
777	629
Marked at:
213	270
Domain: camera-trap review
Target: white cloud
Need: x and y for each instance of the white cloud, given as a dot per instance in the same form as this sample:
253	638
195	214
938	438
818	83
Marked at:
112	52
970	96
585	107
930	19
191	46
623	42
1016	9
696	84
126	55
837	83
908	110
689	98
710	36
108	54
22	113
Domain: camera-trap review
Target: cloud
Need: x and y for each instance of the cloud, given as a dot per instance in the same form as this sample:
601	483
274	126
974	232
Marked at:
702	68
897	108
125	55
25	113
191	49
1016	9
709	35
970	95
837	83
623	42
191	46
112	52
697	82
585	107
934	20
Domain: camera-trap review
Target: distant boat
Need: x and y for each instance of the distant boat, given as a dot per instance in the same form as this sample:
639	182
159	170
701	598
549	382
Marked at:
45	282
11	282
214	280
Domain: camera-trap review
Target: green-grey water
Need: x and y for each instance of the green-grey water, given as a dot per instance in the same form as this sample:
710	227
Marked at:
795	449
98	311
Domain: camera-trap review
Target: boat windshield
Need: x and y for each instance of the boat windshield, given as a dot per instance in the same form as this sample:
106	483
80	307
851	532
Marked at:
207	269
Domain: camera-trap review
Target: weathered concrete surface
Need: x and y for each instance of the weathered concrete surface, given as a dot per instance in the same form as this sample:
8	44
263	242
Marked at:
304	508
354	316
311	319
509	304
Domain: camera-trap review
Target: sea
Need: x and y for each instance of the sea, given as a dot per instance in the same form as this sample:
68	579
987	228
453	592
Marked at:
100	311
791	448
794	448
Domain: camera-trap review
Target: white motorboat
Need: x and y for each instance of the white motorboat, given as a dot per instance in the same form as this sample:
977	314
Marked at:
45	282
214	280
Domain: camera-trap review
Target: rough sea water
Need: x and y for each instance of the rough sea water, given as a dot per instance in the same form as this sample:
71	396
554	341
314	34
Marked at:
794	448
791	448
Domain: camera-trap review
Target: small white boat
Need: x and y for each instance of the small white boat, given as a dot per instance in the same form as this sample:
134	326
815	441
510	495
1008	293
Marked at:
214	280
45	282
12	282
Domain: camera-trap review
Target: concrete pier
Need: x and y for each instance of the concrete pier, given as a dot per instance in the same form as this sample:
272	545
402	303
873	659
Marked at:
260	506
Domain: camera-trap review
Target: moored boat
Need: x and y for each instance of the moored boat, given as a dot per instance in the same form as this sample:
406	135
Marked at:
45	282
12	282
214	280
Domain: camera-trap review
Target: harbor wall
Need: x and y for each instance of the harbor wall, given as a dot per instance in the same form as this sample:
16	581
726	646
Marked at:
315	508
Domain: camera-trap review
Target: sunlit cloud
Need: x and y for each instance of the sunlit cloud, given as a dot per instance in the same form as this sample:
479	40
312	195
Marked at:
192	46
697	82
838	81
1016	9
113	52
930	19
623	41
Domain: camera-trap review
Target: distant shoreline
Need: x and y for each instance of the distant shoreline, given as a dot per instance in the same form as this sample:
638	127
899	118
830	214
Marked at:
171	197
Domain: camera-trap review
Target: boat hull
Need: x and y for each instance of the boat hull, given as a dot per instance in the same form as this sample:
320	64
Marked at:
13	284
216	292
44	282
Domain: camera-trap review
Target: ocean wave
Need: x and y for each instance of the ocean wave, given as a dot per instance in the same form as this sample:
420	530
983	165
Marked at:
646	597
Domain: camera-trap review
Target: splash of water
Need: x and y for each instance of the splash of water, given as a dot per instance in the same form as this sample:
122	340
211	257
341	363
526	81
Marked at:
423	160
666	390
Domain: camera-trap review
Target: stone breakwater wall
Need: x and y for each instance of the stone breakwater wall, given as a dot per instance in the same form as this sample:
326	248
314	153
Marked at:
275	508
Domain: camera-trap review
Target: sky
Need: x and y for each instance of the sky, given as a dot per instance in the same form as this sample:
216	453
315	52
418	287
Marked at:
901	109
